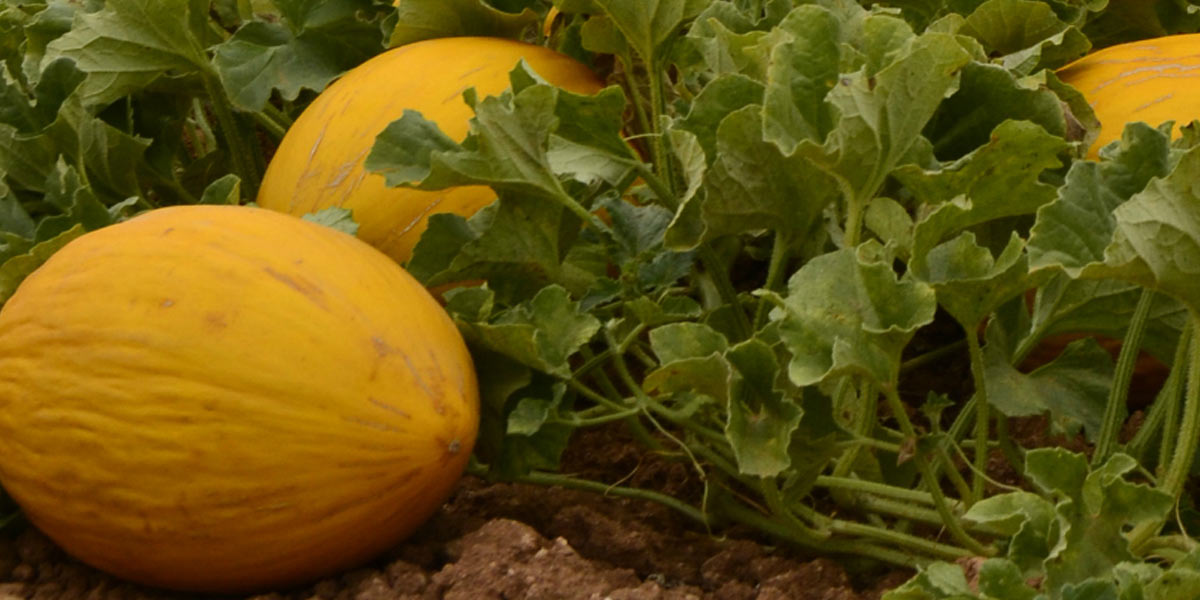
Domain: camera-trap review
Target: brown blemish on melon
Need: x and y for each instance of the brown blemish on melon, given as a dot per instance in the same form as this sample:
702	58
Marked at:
216	320
389	407
309	290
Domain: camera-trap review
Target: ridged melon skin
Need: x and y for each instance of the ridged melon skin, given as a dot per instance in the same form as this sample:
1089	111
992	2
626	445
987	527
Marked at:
228	399
1152	80
319	162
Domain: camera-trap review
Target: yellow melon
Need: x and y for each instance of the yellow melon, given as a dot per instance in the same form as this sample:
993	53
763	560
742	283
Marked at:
228	399
1148	80
319	162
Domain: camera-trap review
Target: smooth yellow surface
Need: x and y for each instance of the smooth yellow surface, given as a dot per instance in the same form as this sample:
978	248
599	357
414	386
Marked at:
223	398
319	163
1152	80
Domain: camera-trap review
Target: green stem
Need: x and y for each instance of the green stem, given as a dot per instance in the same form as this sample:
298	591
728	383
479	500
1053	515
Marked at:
923	515
871	442
1189	430
1114	411
663	160
1185	449
775	271
273	128
627	414
636	97
901	540
934	355
595	396
953	525
636	428
241	150
806	538
983	418
864	421
713	265
720	277
854	218
872	487
592	361
1166	403
1012	452
883	534
566	481
280	119
966	417
666	196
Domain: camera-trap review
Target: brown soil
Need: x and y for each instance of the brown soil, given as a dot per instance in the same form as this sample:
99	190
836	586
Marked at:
493	541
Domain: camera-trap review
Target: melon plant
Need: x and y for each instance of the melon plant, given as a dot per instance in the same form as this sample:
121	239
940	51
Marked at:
319	163
817	305
224	399
1149	80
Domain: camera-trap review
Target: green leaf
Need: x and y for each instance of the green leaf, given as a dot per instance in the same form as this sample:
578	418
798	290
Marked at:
334	217
721	48
1001	179
890	221
418	20
1027	32
500	378
516	243
844	316
936	581
44	27
14	270
761	420
226	190
801	73
1028	520
722	96
1074	230
648	25
130	43
987	96
541	333
882	116
1157	236
310	45
670	309
1105	307
531	414
969	282
536	439
752	186
1000	578
709	376
508	146
679	341
1093	511
111	158
884	38
1073	388
1175	584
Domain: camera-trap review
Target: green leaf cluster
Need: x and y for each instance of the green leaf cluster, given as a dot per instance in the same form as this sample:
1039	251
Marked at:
753	252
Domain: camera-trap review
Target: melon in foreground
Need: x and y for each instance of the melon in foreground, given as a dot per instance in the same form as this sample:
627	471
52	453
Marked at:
319	162
1153	80
228	399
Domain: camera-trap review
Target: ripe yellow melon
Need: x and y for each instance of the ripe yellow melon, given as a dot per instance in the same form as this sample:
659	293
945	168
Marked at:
319	163
228	399
1153	80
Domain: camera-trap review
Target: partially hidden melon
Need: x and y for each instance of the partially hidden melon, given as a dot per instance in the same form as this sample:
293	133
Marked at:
319	162
1153	80
229	399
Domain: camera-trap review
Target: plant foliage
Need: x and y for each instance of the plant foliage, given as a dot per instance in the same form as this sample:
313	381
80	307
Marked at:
799	197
